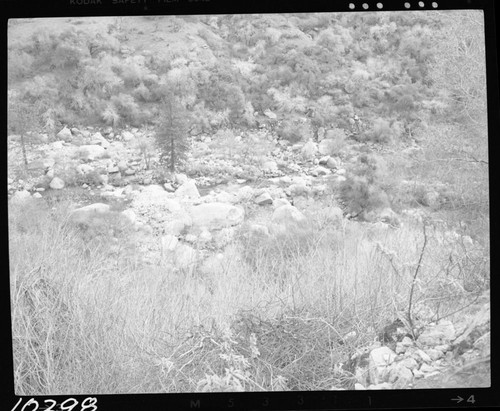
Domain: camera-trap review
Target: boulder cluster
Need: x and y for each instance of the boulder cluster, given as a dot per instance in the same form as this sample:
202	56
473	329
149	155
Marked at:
439	349
201	210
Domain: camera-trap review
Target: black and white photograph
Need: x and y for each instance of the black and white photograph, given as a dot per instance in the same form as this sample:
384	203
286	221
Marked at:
275	202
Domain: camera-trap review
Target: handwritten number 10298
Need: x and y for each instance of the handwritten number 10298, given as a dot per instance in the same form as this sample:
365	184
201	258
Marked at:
88	404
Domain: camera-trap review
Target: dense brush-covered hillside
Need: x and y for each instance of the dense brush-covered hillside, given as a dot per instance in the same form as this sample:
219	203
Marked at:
393	70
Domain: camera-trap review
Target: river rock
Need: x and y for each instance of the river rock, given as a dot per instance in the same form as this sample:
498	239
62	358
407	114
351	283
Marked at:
88	215
127	136
264	199
215	216
180	178
57	145
188	190
130	214
20	197
287	219
269	166
65	134
400	377
332	163
379	360
98	139
439	334
56	184
280	202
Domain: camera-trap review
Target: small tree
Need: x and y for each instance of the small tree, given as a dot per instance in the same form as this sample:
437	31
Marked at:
147	151
363	189
172	133
23	118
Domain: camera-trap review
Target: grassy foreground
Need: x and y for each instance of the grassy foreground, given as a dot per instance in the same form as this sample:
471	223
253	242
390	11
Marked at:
89	316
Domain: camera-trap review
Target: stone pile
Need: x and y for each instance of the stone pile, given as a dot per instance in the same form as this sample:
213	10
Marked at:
437	349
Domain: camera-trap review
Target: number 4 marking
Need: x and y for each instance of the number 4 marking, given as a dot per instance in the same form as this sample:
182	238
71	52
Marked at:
471	399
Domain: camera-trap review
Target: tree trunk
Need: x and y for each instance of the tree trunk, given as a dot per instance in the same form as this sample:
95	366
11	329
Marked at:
23	148
172	154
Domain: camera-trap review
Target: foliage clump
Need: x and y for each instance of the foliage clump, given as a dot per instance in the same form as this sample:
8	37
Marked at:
336	140
363	191
294	129
382	132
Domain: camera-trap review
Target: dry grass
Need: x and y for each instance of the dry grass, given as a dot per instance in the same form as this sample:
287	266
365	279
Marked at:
271	314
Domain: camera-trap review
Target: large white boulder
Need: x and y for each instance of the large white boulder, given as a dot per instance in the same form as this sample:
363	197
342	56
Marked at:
287	214
442	333
215	216
181	178
287	219
56	183
172	205
188	190
127	136
280	202
99	208
263	199
400	376
20	197
57	145
130	214
379	361
269	114
332	163
65	134
86	215
269	166
98	139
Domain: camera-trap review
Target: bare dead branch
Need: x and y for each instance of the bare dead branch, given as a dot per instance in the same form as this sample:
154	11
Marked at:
410	320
